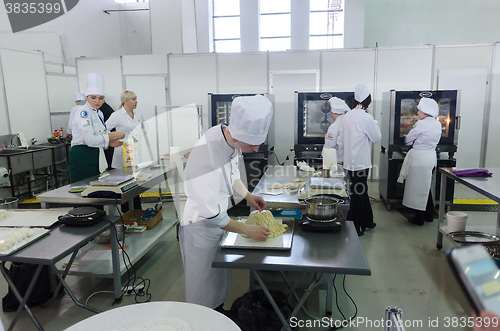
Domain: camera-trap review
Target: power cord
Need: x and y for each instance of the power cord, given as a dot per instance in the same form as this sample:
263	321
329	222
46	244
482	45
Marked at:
337	302
271	150
141	288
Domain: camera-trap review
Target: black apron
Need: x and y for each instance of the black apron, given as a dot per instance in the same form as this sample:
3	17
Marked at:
83	162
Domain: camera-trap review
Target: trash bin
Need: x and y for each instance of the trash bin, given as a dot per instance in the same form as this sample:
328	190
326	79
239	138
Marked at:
253	311
9	203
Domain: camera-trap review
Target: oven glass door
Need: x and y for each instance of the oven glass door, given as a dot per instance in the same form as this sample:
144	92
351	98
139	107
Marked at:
314	115
406	113
221	107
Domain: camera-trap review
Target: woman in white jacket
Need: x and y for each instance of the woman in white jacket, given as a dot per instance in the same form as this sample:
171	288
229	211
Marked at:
359	131
125	119
424	136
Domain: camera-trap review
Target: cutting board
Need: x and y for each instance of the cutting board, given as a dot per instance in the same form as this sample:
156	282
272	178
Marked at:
283	242
40	218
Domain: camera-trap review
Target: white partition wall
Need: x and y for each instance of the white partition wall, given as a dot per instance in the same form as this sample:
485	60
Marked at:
60	89
145	64
4	118
151	92
110	68
26	93
306	60
403	69
342	70
242	73
492	154
191	78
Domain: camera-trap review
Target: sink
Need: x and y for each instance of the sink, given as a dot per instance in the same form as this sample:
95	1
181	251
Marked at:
32	147
12	151
16	159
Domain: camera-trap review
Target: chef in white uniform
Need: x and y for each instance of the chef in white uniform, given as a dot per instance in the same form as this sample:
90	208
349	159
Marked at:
338	109
420	161
211	177
80	100
90	135
359	130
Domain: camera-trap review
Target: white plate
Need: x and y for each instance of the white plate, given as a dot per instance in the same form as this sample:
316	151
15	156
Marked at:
5	232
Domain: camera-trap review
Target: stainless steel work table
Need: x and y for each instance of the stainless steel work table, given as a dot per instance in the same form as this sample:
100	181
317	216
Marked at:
101	267
62	241
311	252
487	186
62	195
281	175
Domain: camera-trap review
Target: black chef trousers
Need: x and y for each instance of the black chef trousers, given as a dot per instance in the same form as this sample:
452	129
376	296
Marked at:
360	211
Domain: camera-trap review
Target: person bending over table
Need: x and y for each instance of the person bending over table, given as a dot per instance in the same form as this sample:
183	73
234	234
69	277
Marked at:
211	175
89	134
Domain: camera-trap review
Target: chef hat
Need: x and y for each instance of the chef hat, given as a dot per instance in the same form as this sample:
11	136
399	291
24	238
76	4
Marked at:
250	119
338	106
361	92
79	96
428	106
95	84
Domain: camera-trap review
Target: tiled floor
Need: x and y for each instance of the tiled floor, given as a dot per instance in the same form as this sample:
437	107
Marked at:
407	271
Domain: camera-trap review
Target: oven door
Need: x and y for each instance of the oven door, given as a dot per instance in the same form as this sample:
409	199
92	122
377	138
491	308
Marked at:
313	115
405	114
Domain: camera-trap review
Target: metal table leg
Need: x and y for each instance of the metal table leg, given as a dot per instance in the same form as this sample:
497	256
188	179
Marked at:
22	301
70	293
442	198
286	326
115	260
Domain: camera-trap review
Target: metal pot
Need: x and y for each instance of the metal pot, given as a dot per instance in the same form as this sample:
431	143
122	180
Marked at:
322	207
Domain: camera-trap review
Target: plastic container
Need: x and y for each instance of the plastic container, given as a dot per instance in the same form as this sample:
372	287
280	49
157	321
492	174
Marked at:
456	221
9	203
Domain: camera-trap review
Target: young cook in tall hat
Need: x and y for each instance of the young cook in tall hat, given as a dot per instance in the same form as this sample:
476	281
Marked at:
90	134
211	177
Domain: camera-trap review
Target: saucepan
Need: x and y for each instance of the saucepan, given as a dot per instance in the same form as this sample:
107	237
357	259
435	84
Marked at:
322	207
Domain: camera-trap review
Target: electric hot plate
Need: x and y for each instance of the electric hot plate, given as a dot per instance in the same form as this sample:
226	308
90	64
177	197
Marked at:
312	224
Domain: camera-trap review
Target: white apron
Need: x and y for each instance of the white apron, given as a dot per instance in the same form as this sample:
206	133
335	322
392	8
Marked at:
419	178
205	285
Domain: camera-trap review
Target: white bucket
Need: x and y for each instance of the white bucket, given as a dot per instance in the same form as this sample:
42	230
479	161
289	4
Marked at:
456	221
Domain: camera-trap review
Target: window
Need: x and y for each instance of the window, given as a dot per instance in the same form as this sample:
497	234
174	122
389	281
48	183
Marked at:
226	22
326	24
275	25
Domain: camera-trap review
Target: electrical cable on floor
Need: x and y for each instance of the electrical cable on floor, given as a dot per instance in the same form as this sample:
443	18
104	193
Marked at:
87	301
137	289
337	303
145	282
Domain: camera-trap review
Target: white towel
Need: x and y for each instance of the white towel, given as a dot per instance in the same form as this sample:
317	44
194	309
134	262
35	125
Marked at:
404	168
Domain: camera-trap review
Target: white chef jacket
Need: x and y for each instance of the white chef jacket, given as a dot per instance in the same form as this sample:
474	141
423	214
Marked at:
74	110
332	135
211	161
122	122
210	173
88	128
357	131
424	136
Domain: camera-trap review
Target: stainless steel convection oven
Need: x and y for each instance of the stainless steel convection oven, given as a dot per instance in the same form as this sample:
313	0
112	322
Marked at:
312	119
399	114
220	112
